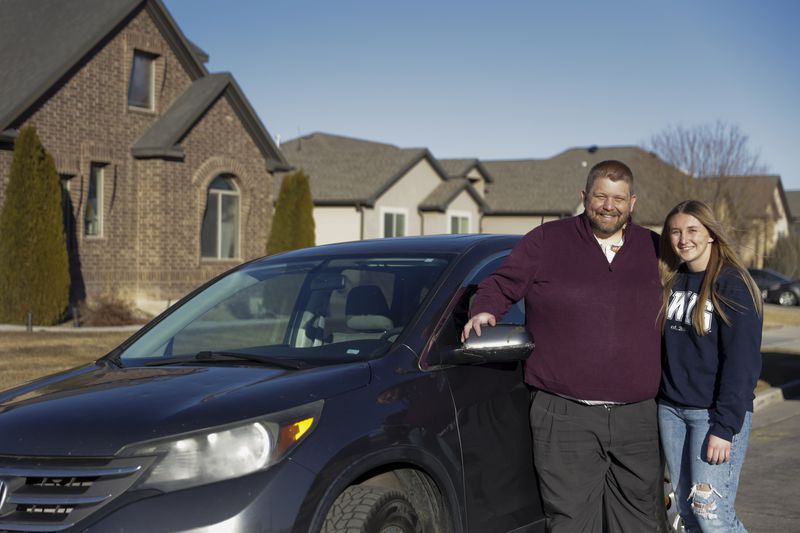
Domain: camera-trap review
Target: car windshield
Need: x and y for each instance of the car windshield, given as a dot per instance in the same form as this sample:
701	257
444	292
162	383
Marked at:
322	311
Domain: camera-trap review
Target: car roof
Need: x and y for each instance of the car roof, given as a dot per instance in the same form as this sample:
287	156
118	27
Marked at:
456	244
770	271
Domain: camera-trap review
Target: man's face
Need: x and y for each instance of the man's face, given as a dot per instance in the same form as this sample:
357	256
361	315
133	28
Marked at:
608	205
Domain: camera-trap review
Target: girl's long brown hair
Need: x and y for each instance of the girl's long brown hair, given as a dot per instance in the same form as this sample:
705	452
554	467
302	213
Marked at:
721	255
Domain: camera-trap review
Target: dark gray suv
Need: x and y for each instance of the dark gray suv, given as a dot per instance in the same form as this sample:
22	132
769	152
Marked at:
318	390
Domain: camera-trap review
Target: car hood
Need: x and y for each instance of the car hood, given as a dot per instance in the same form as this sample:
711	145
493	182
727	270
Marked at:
98	409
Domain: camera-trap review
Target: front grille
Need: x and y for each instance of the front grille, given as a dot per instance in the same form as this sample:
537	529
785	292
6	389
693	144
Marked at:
39	495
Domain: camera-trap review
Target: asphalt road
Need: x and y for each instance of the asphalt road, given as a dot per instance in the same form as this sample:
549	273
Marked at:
769	489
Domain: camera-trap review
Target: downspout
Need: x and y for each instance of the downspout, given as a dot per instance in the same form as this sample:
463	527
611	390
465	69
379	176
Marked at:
360	209
421	222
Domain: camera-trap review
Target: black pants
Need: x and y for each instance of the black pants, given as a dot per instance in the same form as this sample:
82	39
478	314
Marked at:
598	467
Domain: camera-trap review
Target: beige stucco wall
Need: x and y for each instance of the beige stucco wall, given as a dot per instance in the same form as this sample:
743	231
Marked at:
337	224
462	205
479	184
781	226
404	196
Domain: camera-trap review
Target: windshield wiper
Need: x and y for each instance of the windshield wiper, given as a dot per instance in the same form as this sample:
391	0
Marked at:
204	356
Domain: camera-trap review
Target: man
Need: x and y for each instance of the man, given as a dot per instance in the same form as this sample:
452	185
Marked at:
592	296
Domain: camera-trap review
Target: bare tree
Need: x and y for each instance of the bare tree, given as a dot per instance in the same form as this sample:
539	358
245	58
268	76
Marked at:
707	150
717	156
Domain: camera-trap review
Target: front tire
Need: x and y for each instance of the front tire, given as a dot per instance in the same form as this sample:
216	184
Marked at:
365	509
787	298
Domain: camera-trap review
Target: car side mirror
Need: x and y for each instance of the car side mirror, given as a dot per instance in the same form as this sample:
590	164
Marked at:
497	344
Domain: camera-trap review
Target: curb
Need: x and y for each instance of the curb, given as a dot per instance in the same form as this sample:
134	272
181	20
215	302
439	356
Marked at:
778	394
767	397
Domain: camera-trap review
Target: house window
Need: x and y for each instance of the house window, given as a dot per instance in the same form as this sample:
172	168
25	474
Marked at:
141	85
219	238
459	223
93	212
394	223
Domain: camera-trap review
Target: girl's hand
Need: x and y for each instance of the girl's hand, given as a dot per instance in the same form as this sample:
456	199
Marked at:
719	450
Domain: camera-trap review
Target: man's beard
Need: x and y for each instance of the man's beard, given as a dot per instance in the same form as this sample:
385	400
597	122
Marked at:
606	229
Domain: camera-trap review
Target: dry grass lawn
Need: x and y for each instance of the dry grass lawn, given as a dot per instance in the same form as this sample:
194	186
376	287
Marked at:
776	316
26	356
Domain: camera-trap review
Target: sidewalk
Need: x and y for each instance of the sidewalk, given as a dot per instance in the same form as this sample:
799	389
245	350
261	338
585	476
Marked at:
784	339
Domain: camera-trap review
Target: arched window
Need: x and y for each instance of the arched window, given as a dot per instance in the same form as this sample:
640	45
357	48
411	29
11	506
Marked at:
219	237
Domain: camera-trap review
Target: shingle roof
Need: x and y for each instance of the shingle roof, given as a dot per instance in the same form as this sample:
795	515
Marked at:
552	186
42	41
162	138
201	54
347	171
750	195
459	168
439	199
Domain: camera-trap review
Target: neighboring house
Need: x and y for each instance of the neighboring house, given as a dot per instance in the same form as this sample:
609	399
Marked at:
755	208
793	199
525	193
166	169
364	189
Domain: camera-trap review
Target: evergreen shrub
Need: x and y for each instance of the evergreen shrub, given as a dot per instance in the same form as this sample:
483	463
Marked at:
34	267
293	220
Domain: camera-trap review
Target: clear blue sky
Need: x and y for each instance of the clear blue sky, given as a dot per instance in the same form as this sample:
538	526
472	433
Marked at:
511	79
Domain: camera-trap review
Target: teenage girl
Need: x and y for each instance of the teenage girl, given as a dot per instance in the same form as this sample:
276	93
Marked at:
712	315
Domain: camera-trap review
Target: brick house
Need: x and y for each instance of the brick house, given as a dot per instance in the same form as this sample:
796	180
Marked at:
167	170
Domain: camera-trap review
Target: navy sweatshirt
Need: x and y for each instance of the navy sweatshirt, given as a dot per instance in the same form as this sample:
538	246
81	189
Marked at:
716	371
595	324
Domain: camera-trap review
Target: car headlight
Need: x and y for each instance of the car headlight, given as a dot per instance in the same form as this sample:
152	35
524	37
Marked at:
224	452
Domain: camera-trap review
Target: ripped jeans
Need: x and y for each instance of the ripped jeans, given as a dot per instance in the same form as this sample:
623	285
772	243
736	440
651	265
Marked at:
705	493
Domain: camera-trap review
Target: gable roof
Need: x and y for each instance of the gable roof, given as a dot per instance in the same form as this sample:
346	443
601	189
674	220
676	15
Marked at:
162	138
552	186
750	195
459	168
447	191
348	171
44	41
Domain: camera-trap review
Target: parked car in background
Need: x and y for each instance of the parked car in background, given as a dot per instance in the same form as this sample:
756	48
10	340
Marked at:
776	287
323	389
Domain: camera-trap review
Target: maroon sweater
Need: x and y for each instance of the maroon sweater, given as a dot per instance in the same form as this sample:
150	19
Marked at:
594	324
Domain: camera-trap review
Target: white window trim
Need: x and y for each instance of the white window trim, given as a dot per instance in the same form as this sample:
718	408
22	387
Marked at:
462	214
394	211
220	193
151	104
101	173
